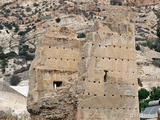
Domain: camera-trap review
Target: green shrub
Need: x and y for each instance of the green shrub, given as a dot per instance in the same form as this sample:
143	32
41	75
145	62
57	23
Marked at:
58	20
154	44
1	27
25	47
35	4
15	80
156	63
81	35
29	57
8	25
143	94
3	65
157	45
155	94
28	9
111	2
158	32
10	55
143	105
143	44
23	51
28	30
16	28
21	33
2	56
138	47
40	17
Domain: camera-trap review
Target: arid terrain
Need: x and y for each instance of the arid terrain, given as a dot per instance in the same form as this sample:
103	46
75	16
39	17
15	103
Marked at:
24	24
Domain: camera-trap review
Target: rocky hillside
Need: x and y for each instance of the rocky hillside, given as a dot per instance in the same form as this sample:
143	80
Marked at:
146	24
21	25
23	22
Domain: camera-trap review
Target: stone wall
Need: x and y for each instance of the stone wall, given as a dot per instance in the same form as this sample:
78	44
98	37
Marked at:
86	77
109	74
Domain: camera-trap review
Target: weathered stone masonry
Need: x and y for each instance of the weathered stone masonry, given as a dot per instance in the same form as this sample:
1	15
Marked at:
92	78
109	74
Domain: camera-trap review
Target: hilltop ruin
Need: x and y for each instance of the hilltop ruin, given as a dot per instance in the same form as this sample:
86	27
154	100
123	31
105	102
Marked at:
85	69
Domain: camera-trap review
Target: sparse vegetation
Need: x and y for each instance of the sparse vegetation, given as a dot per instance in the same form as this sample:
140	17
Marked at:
146	96
4	58
111	2
7	55
58	20
8	25
154	43
158	32
155	93
28	9
10	55
16	28
1	27
3	65
156	63
143	94
35	4
81	35
23	51
138	47
15	80
23	33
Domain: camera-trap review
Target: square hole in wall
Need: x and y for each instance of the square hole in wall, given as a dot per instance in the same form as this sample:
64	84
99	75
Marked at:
57	84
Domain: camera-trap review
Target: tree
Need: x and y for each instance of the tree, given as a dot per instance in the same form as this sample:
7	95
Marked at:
155	94
143	105
143	94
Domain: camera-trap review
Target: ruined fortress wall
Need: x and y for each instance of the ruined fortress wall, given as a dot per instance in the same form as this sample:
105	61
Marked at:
109	75
98	73
58	56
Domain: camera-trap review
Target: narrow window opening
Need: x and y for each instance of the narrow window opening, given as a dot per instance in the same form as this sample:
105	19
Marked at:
105	75
57	84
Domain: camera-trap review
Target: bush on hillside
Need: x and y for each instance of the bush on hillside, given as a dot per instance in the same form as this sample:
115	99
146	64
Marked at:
154	44
58	20
158	32
28	9
156	63
35	4
81	35
15	80
155	93
143	94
